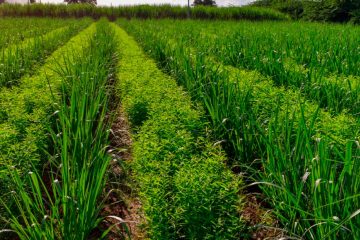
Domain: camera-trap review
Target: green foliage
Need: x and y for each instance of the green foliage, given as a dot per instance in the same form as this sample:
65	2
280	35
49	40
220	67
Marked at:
330	10
294	8
311	180
138	113
322	10
142	11
301	147
355	16
28	113
204	3
307	56
18	60
186	189
78	170
15	30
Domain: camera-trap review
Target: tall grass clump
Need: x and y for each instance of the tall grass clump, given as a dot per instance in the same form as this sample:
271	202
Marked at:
185	188
311	184
68	206
300	155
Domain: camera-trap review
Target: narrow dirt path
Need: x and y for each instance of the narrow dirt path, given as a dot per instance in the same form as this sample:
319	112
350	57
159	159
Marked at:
123	200
131	211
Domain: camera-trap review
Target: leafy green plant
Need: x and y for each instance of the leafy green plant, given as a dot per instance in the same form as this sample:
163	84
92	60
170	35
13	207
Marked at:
296	56
186	189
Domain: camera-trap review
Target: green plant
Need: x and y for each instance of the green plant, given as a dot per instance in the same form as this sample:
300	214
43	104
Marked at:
18	60
14	30
140	11
269	127
185	188
23	135
296	56
70	209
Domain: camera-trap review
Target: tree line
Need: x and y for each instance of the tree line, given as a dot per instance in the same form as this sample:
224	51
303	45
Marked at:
317	10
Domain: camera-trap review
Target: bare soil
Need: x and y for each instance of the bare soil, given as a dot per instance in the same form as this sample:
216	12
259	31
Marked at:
122	201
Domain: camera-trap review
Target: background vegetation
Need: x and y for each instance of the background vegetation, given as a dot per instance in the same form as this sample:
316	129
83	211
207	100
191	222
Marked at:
142	11
322	10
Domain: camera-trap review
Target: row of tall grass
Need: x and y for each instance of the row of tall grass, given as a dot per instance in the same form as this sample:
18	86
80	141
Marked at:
26	116
14	30
186	189
68	206
308	57
304	160
142	11
305	55
20	59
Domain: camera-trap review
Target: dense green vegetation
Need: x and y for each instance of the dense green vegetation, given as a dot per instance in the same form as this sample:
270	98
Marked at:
19	59
223	108
142	11
308	156
68	206
309	10
322	10
307	56
26	112
14	30
54	141
186	189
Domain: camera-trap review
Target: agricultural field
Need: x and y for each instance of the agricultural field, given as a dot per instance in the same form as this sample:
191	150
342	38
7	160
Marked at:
179	129
15	30
283	99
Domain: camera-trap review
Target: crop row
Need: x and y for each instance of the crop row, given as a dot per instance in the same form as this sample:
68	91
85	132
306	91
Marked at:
325	47
18	60
185	187
14	30
26	110
329	76
70	201
308	158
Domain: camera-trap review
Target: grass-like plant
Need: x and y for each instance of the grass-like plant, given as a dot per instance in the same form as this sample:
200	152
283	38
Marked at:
26	112
306	56
67	204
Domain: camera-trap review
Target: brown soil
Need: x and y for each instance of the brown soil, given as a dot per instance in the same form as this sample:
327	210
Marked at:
123	208
260	219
